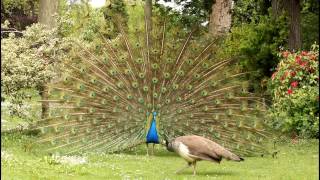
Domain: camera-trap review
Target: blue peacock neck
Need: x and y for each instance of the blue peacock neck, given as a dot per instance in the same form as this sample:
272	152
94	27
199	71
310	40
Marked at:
152	135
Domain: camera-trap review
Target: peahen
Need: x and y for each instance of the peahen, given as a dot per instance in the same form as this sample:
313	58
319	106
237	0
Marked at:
196	148
144	86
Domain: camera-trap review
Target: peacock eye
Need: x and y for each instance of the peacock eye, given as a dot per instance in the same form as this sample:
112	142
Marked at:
169	60
205	65
189	62
196	76
129	96
163	90
155	80
135	84
155	95
181	73
141	100
145	88
155	66
139	60
204	93
175	86
141	75
166	75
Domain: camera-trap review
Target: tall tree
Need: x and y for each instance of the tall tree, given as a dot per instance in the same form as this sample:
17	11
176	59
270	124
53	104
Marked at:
276	6
220	17
294	41
48	8
293	8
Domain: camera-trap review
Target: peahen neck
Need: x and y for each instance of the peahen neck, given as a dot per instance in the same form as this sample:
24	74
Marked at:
152	136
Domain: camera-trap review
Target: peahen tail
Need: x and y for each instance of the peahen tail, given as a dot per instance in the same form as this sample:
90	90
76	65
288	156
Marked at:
231	156
104	97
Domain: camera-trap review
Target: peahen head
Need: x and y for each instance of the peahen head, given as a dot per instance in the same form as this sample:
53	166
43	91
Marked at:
168	144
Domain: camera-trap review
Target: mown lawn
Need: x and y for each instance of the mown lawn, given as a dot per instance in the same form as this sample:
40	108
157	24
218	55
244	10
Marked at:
294	161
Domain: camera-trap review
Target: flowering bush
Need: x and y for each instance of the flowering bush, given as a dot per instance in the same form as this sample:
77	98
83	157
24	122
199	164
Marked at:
294	88
28	62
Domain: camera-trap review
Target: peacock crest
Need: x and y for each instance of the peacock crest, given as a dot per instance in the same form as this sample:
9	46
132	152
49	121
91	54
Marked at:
109	99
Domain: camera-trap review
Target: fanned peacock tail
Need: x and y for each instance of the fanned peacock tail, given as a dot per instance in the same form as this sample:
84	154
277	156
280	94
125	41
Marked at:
105	98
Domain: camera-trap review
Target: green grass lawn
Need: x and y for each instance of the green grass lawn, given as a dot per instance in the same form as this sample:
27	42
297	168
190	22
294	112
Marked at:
294	161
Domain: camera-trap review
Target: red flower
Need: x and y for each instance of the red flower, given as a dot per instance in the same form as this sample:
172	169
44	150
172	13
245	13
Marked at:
303	64
304	53
290	91
312	57
294	84
286	74
285	54
273	75
298	59
293	74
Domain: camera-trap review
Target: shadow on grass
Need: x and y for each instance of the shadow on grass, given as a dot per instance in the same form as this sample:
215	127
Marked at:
209	173
156	154
141	150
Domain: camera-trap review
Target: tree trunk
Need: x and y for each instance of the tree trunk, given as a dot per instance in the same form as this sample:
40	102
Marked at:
220	17
45	104
276	7
47	10
295	27
148	14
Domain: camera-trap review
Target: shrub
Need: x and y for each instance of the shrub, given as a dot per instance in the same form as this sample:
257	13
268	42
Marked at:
256	45
28	62
294	87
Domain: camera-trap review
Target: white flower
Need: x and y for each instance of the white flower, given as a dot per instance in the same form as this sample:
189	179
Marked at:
70	160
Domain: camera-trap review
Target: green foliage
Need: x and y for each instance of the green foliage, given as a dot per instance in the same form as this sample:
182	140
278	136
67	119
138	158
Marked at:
116	8
31	61
19	13
192	13
255	45
82	21
28	62
309	23
25	6
294	87
247	11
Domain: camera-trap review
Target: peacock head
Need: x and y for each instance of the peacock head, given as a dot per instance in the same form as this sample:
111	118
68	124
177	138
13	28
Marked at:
154	113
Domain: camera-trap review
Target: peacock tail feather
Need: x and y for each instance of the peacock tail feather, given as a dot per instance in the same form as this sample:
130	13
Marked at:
102	99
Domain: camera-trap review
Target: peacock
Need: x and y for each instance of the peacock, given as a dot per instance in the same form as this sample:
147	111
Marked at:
145	86
196	148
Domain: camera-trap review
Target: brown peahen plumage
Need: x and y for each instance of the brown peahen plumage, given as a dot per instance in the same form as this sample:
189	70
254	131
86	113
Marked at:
142	87
196	148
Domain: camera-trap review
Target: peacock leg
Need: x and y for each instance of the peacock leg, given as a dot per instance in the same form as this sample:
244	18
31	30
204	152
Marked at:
194	167
152	149
184	167
147	149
